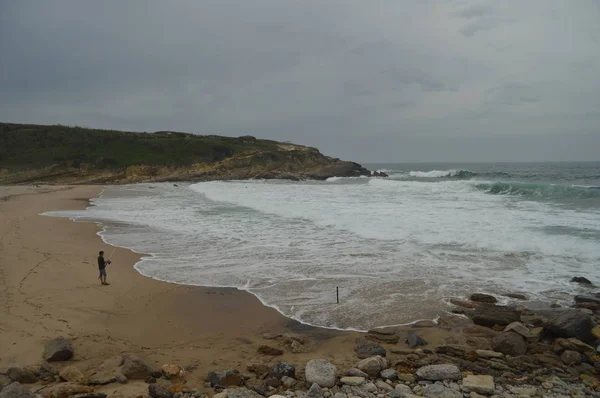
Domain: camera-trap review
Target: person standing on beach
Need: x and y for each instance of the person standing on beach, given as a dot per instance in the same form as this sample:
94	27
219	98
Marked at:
102	267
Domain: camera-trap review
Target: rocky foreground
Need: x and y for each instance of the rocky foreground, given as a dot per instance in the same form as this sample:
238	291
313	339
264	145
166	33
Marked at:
485	350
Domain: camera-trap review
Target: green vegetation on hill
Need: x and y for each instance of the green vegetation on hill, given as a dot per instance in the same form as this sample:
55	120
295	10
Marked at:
25	146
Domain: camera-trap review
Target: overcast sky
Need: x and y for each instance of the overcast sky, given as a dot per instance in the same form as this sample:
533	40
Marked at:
385	80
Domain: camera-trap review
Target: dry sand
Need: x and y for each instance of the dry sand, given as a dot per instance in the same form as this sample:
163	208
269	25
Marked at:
49	287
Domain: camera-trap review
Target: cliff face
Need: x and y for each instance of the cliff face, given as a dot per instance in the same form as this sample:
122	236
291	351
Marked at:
67	155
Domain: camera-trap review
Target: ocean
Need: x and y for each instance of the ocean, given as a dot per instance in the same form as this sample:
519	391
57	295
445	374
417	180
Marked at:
397	248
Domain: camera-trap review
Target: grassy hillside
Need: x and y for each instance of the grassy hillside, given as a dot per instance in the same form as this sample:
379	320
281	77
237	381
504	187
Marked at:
32	146
61	154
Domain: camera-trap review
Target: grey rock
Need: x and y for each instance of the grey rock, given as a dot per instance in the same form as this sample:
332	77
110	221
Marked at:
356	391
483	298
102	378
438	372
156	391
366	349
389	374
121	379
321	372
242	393
518	328
480	384
571	357
135	368
340	395
582	280
21	375
352	380
281	369
403	389
490	315
226	378
315	391
439	391
509	343
414	340
370	387
357	373
288	381
372	366
571	323
58	349
383	386
16	390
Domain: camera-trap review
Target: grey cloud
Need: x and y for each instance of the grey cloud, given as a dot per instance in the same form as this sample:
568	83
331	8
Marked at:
342	75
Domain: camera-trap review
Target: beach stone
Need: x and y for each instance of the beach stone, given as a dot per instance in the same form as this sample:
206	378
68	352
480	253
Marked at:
356	391
267	350
389	374
281	369
58	349
357	373
509	343
438	372
242	393
463	303
352	380
367	349
16	390
487	354
414	340
288	381
340	395
571	344
102	378
596	332
321	372
71	373
480	384
226	378
439	391
491	315
21	375
383	386
483	298
111	363
571	357
135	368
407	377
581	279
372	366
156	391
315	391
172	371
403	390
571	323
518	328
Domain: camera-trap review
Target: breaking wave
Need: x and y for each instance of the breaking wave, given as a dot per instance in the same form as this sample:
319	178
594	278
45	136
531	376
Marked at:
442	174
540	190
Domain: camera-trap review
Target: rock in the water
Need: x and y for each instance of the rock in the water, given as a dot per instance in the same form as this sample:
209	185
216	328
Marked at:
367	349
438	372
463	303
156	391
16	390
135	368
582	280
571	357
266	350
226	378
439	391
389	374
321	372
414	340
71	373
483	298
480	384
571	323
509	343
372	366
352	380
281	369
315	391
490	315
21	375
58	349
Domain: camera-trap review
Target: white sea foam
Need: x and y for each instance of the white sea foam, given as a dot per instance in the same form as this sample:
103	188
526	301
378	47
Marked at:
395	248
434	173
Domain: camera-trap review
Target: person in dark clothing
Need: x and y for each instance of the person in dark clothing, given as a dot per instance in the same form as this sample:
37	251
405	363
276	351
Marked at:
102	267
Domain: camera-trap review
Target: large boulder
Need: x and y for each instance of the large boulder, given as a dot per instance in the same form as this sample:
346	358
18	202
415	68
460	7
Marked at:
571	323
21	375
373	366
491	315
281	369
135	368
58	349
16	390
438	372
366	349
321	372
509	343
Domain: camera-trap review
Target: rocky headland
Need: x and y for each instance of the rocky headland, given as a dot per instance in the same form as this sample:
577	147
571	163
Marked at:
481	349
74	155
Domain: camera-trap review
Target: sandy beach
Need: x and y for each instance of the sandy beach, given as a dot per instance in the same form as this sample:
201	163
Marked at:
50	288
